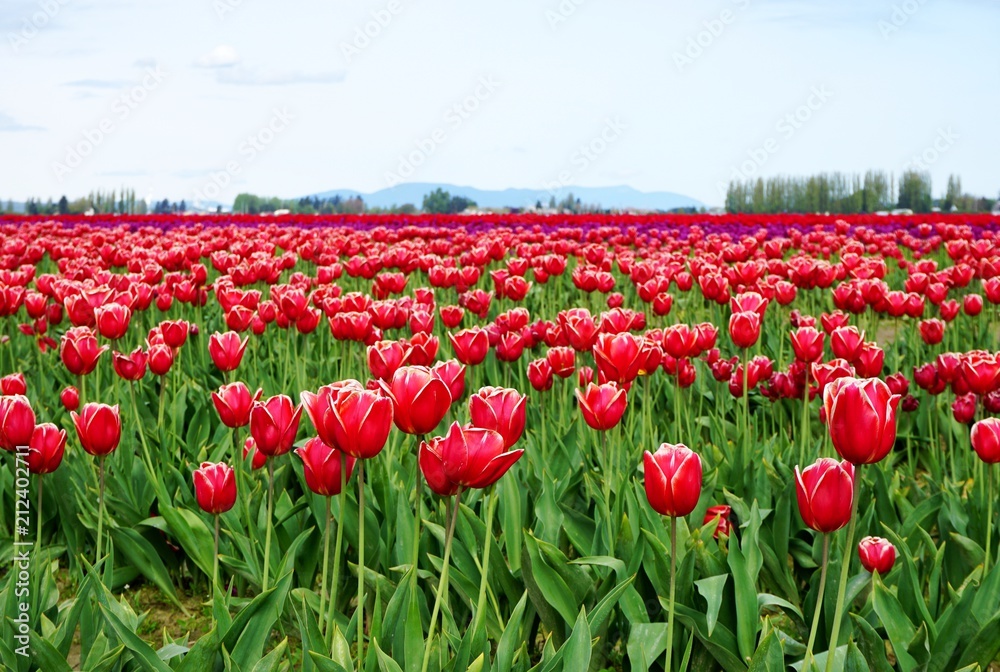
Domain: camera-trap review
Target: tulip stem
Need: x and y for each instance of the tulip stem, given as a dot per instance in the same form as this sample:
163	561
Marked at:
338	546
323	586
989	517
487	537
270	513
805	420
844	571
819	605
742	466
100	507
673	582
38	516
418	489
442	588
138	426
361	564
163	398
215	565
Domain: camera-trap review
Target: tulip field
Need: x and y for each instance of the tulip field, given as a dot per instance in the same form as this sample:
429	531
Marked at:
404	443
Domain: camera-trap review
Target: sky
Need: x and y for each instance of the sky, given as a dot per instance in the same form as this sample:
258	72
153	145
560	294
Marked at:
204	99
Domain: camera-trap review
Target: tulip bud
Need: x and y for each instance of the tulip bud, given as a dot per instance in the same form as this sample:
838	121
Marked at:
877	554
861	417
499	409
215	487
602	405
258	459
46	448
17	421
825	492
13	383
226	350
540	375
274	423
474	457
99	428
70	398
672	479
719	513
350	418
744	329
234	402
322	467
986	440
419	399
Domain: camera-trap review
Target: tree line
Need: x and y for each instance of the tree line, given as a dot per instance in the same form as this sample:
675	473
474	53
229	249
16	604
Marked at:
850	194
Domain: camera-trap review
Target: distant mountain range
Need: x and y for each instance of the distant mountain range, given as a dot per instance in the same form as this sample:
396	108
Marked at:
612	198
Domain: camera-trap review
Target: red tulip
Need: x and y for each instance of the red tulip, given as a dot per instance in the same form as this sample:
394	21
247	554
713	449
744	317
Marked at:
470	345
680	340
215	487
981	371
99	428
453	374
719	512
79	351
113	320
672	479
432	467
603	405
744	329
257	458
807	343
322	467
861	417
226	350
17	421
877	554
419	399
846	342
964	408
473	457
46	448
233	402
972	304
350	418
562	360
70	398
825	491
175	332
618	356
986	440
540	375
274	423
384	357
13	383
160	358
500	409
932	331
869	361
129	367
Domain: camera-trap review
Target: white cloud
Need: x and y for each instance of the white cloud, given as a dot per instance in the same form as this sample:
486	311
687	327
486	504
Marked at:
223	56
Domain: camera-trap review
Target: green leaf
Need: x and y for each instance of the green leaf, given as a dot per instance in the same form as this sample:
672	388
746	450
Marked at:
712	590
855	659
769	657
324	664
192	534
897	625
555	591
251	628
385	663
510	639
270	662
46	656
142	652
578	648
646	643
599	613
139	552
985	646
871	645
